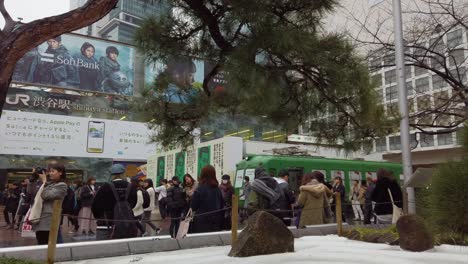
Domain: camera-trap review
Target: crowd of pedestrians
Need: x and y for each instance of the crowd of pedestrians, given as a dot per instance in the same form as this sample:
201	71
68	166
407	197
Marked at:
124	206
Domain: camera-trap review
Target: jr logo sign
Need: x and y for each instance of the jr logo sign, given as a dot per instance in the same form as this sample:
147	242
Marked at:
23	98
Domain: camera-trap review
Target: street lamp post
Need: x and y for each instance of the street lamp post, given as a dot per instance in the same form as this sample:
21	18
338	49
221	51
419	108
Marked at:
403	104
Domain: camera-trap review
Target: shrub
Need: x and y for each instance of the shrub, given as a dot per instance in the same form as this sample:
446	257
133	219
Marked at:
16	261
446	198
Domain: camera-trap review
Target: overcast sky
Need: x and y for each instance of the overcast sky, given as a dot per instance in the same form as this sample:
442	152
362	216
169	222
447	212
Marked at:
31	10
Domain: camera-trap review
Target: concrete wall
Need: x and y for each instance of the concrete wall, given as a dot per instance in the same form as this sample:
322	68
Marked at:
124	247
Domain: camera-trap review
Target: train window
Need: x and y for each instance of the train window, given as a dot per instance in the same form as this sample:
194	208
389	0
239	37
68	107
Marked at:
372	174
355	175
338	173
239	179
295	178
272	172
321	171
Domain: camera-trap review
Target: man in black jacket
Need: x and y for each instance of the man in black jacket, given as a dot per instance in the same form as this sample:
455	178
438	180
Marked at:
176	203
104	201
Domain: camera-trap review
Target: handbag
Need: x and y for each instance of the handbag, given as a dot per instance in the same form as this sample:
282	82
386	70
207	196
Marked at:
36	209
397	211
27	228
326	209
185	225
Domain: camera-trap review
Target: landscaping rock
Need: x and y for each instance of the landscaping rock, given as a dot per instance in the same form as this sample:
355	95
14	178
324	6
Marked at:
414	235
264	234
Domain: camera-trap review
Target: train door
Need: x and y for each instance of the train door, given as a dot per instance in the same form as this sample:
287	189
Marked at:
295	178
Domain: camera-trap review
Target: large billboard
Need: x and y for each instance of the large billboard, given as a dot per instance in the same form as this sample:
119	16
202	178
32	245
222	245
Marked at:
183	76
24	133
77	62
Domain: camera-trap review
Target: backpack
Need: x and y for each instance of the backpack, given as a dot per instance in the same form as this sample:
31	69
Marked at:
68	204
146	199
122	211
175	198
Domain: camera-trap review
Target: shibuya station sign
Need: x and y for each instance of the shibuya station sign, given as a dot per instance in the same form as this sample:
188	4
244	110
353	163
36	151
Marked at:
24	133
38	101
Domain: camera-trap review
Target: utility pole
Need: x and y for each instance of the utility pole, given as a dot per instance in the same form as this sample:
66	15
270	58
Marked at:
403	103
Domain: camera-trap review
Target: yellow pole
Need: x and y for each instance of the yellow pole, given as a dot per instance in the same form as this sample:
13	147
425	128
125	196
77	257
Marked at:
54	227
338	213
234	218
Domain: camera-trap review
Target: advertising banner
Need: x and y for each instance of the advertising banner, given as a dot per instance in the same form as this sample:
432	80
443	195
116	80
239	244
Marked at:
23	133
180	165
184	76
77	62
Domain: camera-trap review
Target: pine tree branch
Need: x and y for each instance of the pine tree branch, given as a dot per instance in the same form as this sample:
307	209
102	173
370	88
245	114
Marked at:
9	22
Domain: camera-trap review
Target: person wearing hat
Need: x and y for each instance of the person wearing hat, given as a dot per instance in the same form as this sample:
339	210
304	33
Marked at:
175	202
104	201
227	191
56	67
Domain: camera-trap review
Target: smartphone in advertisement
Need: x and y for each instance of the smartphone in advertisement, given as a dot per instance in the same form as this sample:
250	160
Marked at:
96	132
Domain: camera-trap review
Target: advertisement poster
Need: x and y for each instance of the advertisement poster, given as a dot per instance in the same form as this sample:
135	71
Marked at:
161	167
77	62
355	175
180	165
183	76
204	158
23	133
239	179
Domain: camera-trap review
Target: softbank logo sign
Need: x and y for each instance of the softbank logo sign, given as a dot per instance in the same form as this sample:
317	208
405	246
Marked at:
23	98
47	57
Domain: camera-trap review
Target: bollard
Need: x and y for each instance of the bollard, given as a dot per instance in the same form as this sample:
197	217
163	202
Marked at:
234	218
339	214
54	227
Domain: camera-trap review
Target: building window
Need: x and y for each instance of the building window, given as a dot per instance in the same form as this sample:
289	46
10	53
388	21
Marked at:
460	134
408	72
411	106
390	77
377	79
392	108
424	102
457	57
426	140
389	59
459	74
381	144
410	87
440	98
445	139
414	142
454	38
379	95
391	93
422	85
438	82
395	143
375	63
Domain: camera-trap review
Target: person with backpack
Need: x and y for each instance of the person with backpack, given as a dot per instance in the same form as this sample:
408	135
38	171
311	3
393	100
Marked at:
289	201
143	201
149	186
162	194
176	202
312	198
227	190
114	201
207	203
69	208
87	194
266	194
